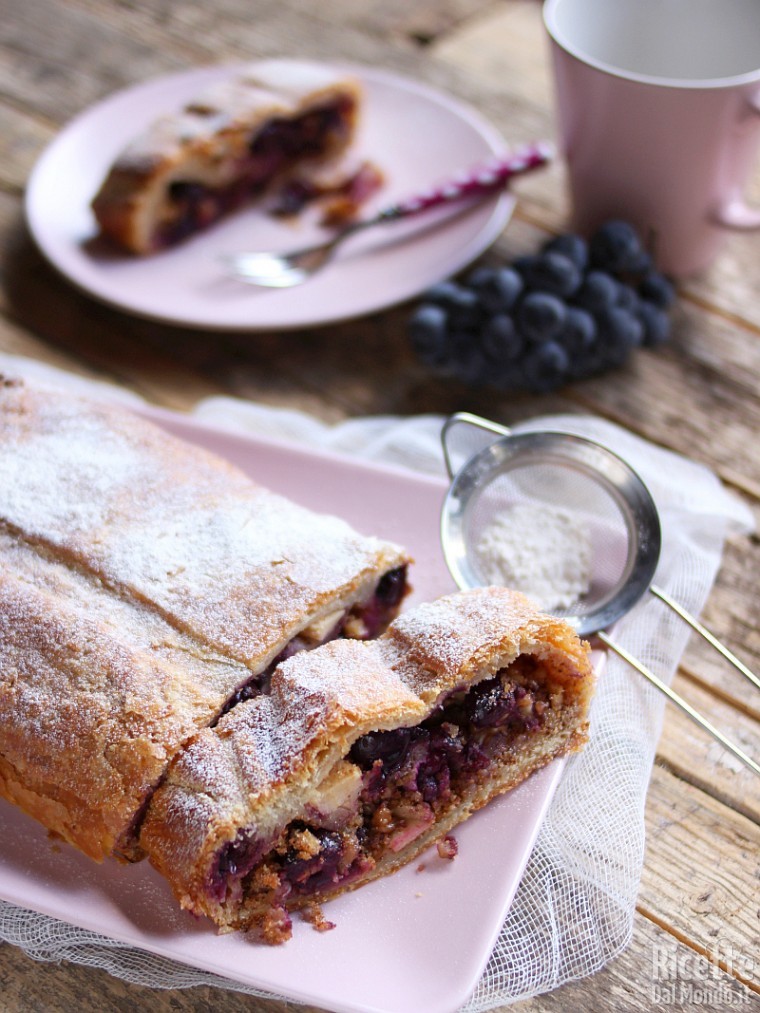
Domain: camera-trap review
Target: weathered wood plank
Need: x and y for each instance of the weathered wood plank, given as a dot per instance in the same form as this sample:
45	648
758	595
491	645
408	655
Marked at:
696	757
56	60
22	140
656	971
702	870
504	48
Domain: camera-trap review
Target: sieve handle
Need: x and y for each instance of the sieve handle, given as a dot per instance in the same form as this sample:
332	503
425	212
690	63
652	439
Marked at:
466	418
680	702
703	632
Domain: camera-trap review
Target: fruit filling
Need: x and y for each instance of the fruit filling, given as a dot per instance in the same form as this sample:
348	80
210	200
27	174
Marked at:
340	198
364	621
278	145
391	788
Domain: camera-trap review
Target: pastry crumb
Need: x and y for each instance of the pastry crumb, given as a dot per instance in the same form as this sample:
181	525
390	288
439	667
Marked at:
421	867
448	848
276	926
314	915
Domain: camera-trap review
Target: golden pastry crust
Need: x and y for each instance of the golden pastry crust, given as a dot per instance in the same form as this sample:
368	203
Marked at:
208	143
145	583
233	797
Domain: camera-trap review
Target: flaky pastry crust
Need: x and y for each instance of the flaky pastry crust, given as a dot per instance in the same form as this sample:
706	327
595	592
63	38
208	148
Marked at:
144	585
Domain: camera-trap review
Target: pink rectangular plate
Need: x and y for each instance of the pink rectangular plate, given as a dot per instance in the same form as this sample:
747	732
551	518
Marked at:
417	940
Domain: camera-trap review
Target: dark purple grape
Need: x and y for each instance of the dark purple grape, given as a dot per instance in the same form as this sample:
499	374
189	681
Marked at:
555	273
573	310
428	331
391	747
500	339
546	367
322	868
640	265
486	703
578	335
392	586
627	298
540	316
598	291
570	245
443	293
614	247
658	290
480	276
466	360
619	333
656	324
497	289
462	305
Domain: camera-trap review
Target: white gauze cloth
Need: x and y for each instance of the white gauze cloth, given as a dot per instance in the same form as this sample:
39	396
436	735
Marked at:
574	908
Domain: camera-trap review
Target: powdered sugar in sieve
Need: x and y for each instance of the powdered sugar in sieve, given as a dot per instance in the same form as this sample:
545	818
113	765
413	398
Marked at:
543	551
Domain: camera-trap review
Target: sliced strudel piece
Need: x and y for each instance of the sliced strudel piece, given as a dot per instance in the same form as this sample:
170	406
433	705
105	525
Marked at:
146	586
363	754
228	145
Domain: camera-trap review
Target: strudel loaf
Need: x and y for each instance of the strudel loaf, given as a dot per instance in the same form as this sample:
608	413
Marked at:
227	146
364	753
146	587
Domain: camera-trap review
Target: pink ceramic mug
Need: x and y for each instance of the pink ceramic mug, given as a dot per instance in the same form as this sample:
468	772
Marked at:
659	115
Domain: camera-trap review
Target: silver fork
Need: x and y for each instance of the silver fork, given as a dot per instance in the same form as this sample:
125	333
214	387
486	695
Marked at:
281	270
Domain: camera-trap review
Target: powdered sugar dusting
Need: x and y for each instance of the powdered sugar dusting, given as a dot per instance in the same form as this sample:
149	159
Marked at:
91	738
542	551
348	679
58	479
261	556
235	565
452	629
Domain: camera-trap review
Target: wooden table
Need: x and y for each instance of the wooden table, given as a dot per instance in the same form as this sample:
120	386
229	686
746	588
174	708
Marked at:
700	395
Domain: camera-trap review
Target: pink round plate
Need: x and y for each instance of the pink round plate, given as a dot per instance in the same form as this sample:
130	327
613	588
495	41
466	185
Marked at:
416	135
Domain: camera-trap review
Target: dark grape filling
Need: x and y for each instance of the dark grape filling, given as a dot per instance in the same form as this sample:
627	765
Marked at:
340	199
234	861
279	143
365	621
333	862
375	614
408	775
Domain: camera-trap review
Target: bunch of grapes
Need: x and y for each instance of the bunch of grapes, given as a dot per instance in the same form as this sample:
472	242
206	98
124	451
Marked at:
573	310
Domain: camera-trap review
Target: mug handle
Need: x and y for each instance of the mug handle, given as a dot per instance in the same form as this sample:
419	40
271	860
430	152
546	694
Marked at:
736	213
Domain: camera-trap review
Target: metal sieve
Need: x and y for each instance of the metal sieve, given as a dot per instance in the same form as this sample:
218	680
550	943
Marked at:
615	516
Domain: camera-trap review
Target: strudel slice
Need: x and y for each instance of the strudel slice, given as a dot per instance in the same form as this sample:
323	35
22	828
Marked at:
363	754
227	146
146	586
